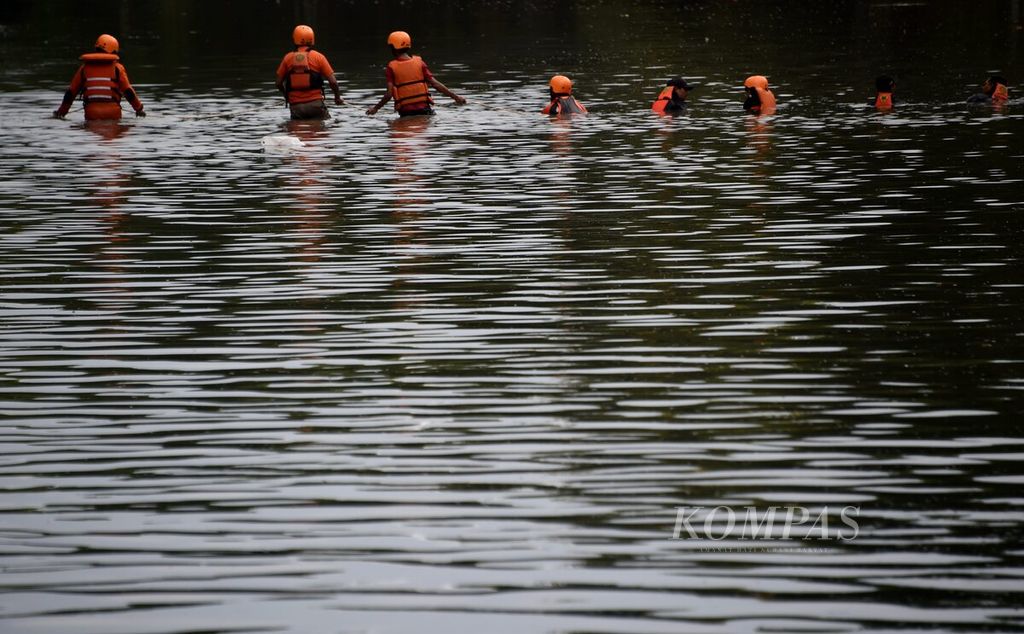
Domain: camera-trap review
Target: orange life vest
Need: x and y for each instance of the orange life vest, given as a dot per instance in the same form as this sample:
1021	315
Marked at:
300	77
100	78
410	87
664	98
883	101
1000	94
566	104
767	101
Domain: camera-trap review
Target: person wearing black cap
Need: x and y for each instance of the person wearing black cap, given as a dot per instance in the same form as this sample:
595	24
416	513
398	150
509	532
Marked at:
993	91
672	99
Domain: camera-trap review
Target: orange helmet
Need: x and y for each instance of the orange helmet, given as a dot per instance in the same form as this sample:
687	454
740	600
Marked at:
561	85
399	40
302	35
107	44
756	81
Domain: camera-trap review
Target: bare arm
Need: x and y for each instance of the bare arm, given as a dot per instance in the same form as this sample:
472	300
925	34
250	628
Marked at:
383	100
441	88
335	89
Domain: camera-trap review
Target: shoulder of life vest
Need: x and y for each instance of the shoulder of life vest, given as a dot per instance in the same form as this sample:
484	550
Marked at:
564	104
1001	93
300	75
664	97
98	57
883	101
767	102
410	85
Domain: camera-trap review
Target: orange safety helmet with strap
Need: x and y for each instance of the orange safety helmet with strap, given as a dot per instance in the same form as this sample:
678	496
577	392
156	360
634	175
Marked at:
399	40
107	44
560	85
410	87
303	35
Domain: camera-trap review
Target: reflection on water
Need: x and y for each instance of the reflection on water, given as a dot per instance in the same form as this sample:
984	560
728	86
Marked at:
458	373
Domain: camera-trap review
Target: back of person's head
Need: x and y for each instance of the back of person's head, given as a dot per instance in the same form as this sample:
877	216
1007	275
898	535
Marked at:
107	44
884	83
400	42
560	85
679	82
997	79
303	35
756	81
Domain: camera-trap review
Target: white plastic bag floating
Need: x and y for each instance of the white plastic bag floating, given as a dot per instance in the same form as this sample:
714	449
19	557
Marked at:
280	143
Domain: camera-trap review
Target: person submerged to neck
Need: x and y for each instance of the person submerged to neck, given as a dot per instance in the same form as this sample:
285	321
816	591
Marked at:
993	91
760	100
560	99
672	99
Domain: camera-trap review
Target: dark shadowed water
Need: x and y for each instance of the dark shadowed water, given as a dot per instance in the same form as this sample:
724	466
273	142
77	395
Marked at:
459	374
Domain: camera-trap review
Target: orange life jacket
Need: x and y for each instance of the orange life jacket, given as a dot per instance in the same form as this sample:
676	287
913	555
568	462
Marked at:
566	104
767	101
100	78
664	98
300	76
1000	94
883	101
410	87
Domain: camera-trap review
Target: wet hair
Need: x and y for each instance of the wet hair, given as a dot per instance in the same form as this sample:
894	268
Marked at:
884	83
997	79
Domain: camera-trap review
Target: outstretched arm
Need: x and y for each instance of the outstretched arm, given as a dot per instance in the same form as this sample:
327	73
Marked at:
383	100
335	89
441	88
129	92
70	94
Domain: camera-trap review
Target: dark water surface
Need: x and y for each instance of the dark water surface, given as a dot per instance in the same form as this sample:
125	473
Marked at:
457	374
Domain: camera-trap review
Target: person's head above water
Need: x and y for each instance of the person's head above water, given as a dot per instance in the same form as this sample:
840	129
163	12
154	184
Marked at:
560	85
303	35
679	82
756	81
107	44
884	83
992	83
400	42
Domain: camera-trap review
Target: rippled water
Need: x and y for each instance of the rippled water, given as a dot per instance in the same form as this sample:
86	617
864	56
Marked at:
458	374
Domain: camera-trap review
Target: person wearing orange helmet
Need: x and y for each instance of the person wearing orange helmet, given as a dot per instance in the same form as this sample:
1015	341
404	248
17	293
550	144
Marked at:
561	100
301	75
409	81
759	100
102	81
